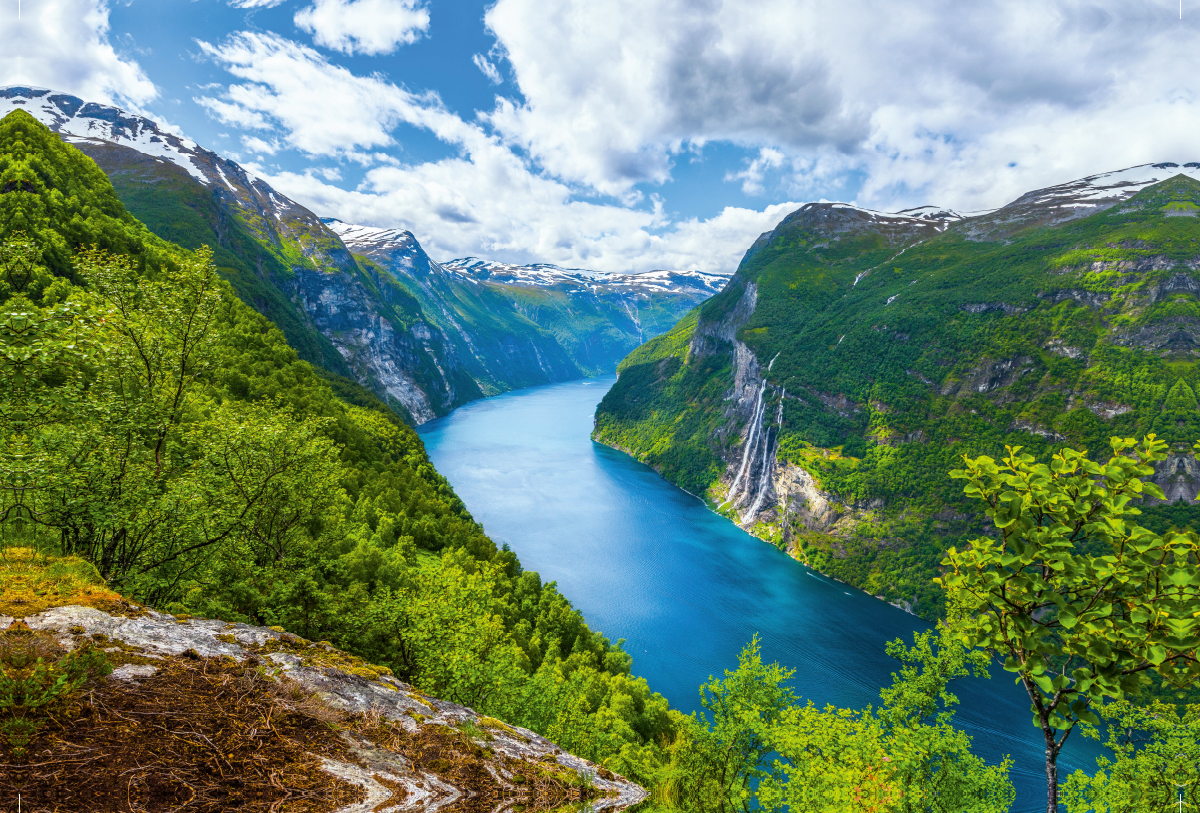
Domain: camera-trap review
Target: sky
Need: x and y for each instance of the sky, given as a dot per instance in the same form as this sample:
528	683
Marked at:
628	135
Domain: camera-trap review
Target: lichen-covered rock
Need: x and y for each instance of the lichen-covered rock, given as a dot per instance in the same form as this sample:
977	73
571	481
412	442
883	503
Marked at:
385	730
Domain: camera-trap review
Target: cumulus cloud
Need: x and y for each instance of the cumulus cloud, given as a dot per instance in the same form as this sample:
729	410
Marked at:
364	26
756	170
316	106
64	45
928	99
486	200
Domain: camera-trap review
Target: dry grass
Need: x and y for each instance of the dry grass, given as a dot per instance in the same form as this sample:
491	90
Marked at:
201	735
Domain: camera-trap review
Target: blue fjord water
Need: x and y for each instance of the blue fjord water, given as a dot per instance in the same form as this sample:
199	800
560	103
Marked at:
686	589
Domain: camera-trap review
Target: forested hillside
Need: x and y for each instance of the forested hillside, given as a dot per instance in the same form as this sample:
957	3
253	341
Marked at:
854	359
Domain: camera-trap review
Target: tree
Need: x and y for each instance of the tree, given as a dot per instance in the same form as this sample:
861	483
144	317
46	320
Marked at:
1156	764
720	757
1073	596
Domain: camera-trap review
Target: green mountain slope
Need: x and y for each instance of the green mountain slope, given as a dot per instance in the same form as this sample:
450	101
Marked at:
424	342
157	426
822	397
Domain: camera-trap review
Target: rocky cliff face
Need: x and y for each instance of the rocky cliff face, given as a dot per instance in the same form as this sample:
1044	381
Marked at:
217	716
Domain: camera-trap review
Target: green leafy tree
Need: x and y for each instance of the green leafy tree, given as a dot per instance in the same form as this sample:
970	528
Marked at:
721	757
1074	596
1155	764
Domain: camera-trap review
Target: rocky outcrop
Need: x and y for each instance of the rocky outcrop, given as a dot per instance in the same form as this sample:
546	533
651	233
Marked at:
1179	476
405	360
382	745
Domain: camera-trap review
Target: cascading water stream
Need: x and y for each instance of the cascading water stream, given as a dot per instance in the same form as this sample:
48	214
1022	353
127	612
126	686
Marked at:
768	466
755	423
748	452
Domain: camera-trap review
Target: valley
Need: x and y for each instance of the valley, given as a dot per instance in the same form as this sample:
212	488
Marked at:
226	436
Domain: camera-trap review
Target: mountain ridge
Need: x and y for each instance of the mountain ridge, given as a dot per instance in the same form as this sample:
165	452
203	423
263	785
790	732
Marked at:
405	339
821	398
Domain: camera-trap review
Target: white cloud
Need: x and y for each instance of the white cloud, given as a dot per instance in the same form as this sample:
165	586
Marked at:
259	146
489	70
754	173
927	102
256	3
64	45
487	200
489	205
364	26
321	108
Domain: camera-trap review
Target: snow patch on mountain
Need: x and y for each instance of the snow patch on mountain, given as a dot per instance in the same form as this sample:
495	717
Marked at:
368	239
546	275
77	120
1108	187
939	216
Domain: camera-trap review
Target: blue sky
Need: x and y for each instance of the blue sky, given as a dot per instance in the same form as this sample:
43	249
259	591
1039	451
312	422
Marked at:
632	134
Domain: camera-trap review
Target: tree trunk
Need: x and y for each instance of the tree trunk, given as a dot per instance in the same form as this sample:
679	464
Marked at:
1051	771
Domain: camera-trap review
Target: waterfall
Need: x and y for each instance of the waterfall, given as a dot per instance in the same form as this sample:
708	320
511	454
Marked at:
756	418
755	422
768	464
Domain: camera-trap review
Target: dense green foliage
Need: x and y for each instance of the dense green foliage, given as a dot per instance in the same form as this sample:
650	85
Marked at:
757	747
895	365
157	426
1155	761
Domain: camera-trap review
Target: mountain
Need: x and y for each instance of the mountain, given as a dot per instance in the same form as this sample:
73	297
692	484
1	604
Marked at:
822	397
516	326
419	336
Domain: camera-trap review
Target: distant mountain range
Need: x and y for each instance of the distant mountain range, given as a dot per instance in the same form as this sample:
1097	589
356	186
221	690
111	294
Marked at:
368	304
822	397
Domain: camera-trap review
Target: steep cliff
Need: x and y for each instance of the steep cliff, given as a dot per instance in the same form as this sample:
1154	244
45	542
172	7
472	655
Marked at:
822	397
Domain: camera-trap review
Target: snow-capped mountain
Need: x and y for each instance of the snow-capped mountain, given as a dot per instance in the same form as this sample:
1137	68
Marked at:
545	275
532	323
936	216
79	121
98	129
1074	199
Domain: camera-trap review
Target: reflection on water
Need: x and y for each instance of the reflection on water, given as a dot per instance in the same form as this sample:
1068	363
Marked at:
685	588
